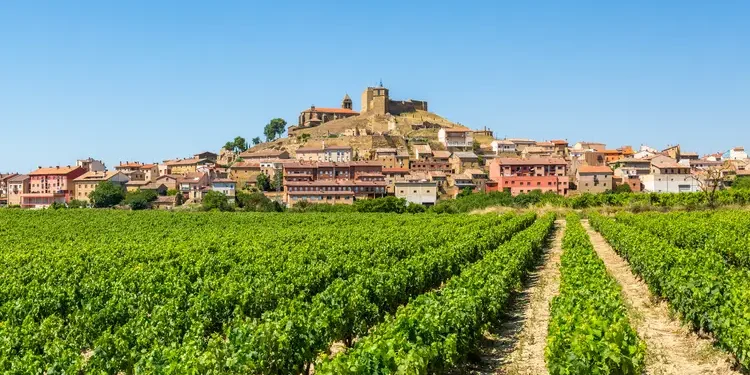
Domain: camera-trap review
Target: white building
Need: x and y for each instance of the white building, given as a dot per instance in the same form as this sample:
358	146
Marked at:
502	145
456	137
417	191
225	186
737	153
667	176
91	165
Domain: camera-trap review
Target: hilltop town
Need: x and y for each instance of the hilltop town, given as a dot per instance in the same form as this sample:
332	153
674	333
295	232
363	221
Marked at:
336	155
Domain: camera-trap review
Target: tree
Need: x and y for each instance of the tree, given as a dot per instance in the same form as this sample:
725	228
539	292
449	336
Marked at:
214	200
256	141
622	188
107	194
140	199
710	181
741	183
263	182
278	180
256	202
240	144
172	192
275	128
75	203
465	192
237	145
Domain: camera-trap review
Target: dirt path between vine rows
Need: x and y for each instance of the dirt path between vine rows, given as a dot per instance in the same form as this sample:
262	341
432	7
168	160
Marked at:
516	346
672	348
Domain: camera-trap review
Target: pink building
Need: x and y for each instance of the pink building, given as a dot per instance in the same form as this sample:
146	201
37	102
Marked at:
48	185
526	175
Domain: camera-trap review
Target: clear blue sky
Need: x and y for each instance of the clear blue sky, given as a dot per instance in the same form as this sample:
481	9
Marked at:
151	80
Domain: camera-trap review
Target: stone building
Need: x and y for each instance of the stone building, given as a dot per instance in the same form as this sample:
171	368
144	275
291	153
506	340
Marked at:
316	116
375	100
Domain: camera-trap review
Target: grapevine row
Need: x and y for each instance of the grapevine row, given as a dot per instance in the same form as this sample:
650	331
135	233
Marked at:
707	292
589	331
438	329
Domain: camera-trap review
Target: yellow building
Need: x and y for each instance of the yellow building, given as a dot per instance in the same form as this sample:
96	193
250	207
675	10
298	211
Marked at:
87	182
185	166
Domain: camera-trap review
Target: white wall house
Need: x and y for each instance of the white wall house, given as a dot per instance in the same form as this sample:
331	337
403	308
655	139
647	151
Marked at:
667	176
421	192
737	153
456	137
502	145
225	186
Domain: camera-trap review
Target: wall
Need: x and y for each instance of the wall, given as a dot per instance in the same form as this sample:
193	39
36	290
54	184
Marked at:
417	192
669	183
594	183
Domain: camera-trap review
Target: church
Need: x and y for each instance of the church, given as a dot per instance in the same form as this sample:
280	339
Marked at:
316	116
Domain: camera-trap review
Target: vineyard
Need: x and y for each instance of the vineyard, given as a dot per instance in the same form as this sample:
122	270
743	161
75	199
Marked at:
116	292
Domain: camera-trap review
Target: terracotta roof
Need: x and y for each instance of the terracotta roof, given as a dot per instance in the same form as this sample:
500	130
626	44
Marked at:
338	147
545	144
224	180
533	161
331	110
559	142
615	152
96	176
521	140
441	154
422	149
456	130
165	199
332	182
152	186
667	164
137	183
474	171
188	161
688	154
134	164
594	169
174	177
190	177
246	164
4	177
321	192
503	142
54	171
437	174
395	170
465	155
18	178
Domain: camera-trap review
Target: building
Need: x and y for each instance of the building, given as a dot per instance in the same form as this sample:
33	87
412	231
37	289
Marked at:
737	153
633	181
500	146
225	186
164	202
264	155
521	143
170	181
584	145
17	185
376	100
672	152
183	166
526	175
594	179
191	185
422	152
667	176
532	152
334	154
136	171
392	175
419	191
456	137
91	165
462	160
461	181
206	155
333	182
560	148
4	187
627	168
50	185
245	173
315	116
87	182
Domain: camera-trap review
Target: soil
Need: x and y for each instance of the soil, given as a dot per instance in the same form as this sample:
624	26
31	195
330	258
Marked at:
516	345
671	347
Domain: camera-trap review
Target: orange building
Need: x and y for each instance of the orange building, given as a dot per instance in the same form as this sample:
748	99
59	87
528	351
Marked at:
50	185
526	175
